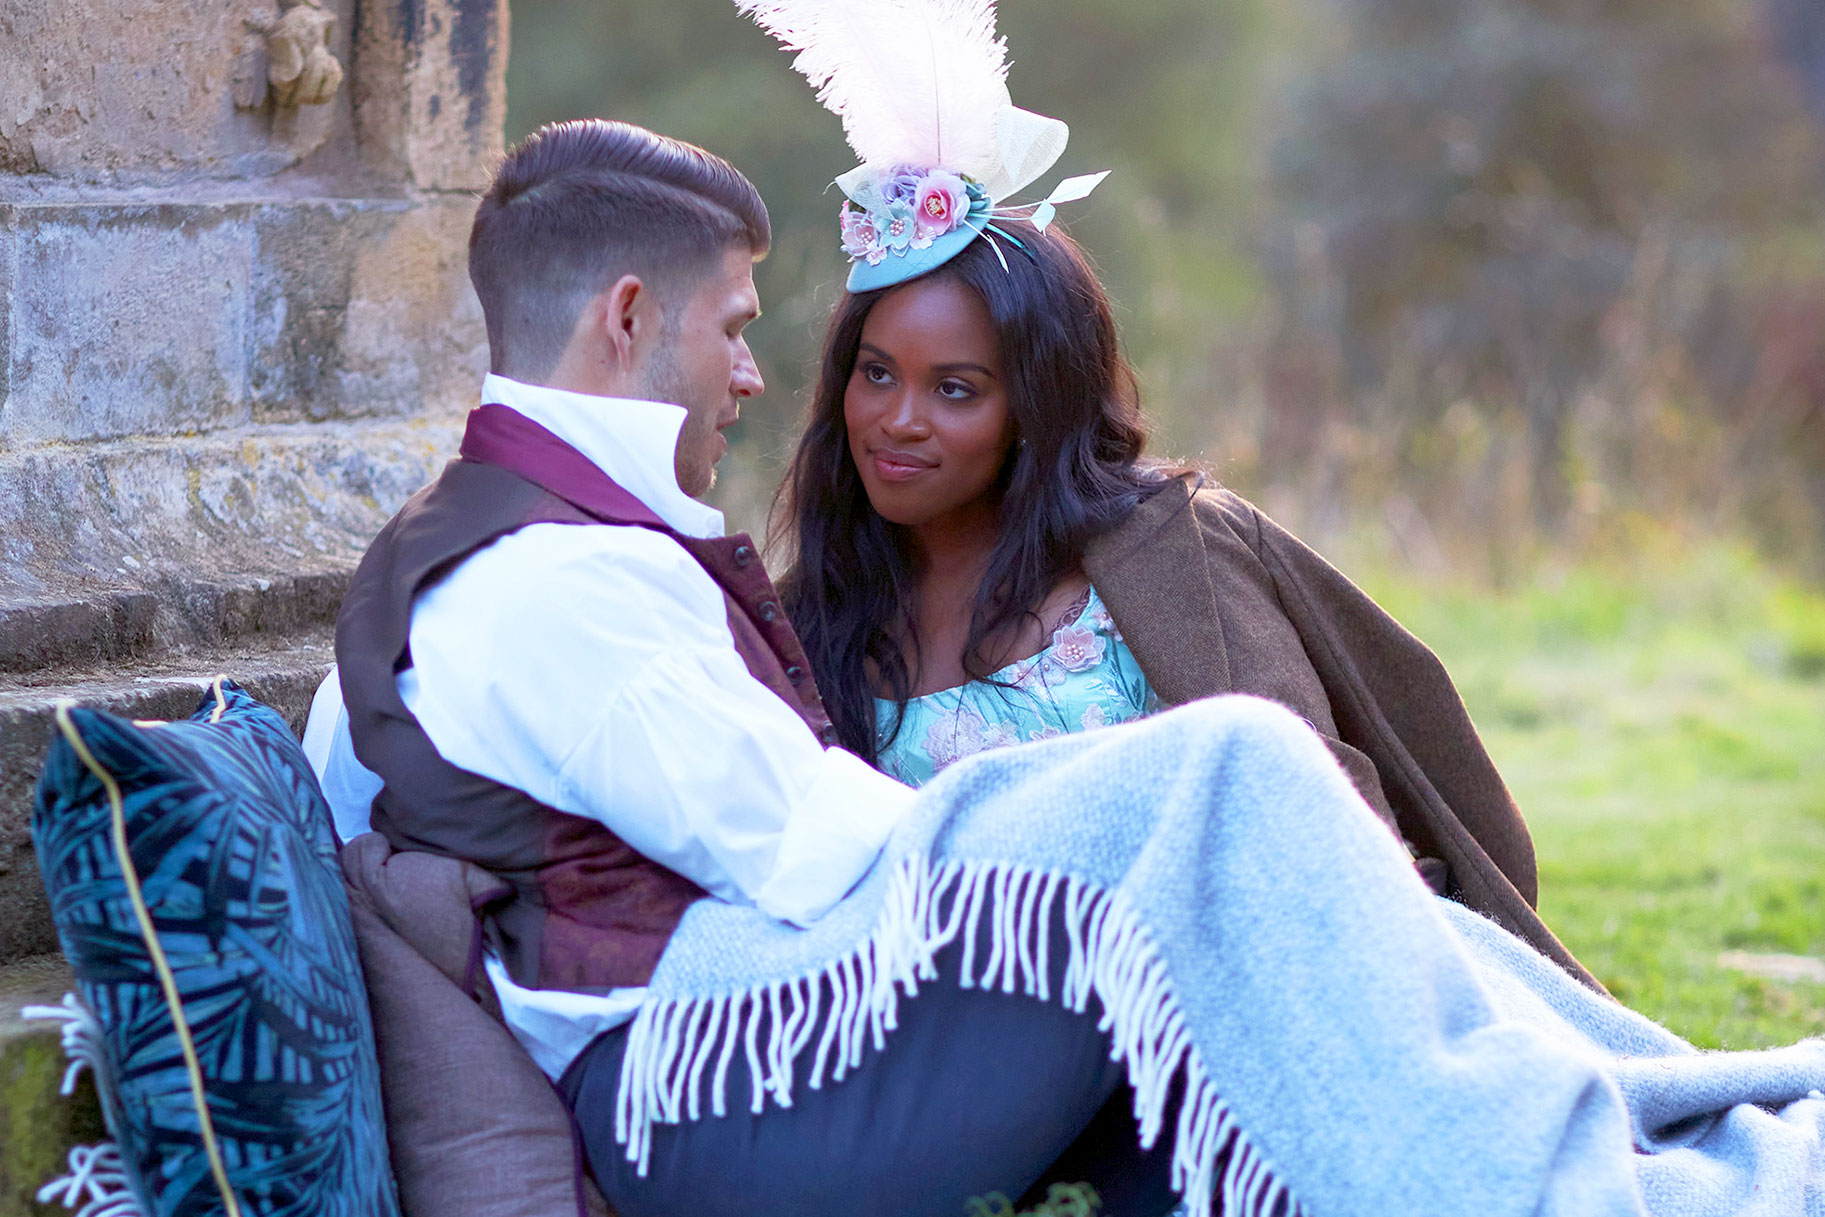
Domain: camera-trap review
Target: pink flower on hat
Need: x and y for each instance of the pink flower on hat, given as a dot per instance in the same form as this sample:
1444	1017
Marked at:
861	238
943	201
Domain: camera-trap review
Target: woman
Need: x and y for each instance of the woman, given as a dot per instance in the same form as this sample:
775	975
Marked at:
982	556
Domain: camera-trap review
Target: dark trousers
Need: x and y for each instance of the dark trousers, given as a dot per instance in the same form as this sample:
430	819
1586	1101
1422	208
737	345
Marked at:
975	1093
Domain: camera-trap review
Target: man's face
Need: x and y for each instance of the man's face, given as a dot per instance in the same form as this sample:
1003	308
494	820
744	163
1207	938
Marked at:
703	364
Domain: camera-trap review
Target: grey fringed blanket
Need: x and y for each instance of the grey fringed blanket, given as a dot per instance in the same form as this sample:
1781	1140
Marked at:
1349	1044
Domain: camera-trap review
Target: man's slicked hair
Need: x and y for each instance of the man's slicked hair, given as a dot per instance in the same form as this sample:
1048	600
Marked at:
576	205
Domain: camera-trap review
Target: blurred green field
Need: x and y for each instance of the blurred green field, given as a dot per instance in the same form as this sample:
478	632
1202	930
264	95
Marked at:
1661	721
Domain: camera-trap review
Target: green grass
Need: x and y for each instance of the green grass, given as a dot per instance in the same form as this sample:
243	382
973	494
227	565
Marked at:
1661	721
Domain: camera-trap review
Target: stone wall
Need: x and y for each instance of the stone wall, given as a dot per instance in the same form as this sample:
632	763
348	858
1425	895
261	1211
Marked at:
236	331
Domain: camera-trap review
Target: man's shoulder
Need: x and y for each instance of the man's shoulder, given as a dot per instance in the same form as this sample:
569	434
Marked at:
545	551
466	504
548	575
470	487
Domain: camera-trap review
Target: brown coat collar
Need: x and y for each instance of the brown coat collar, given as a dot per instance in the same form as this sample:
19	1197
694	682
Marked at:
1152	560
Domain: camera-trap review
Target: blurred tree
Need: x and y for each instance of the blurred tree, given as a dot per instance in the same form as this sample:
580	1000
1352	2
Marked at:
1501	202
1799	33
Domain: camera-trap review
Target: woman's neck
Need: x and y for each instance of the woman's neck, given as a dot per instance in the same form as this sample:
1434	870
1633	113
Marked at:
950	559
957	545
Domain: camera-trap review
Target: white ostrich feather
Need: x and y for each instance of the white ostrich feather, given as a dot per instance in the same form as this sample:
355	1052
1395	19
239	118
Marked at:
916	82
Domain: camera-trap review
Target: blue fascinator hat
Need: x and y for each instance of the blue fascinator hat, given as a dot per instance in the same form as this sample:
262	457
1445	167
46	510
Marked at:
899	266
921	87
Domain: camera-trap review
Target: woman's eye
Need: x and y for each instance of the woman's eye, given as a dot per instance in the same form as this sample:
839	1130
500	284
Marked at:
956	390
875	374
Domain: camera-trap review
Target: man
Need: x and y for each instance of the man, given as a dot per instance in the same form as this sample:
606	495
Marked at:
617	719
558	670
593	671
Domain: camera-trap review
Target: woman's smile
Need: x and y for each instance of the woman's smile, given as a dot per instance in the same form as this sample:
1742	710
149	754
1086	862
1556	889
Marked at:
899	466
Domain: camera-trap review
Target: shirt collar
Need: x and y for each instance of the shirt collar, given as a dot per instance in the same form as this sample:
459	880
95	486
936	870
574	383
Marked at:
632	441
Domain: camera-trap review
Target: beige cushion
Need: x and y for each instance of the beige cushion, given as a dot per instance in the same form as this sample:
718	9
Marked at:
475	1128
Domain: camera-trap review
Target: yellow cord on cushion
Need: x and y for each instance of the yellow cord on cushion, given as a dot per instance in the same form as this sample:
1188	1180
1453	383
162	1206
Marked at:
167	981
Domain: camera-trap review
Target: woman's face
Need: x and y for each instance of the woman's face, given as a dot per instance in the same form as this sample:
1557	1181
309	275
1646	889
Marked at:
926	409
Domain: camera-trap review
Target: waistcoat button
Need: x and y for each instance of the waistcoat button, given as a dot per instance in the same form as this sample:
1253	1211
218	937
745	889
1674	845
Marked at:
768	610
795	674
743	555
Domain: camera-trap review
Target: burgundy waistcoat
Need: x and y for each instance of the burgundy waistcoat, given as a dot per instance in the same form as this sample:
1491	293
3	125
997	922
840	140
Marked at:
586	912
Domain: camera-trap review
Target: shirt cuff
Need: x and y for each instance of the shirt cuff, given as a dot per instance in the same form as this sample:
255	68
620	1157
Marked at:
832	838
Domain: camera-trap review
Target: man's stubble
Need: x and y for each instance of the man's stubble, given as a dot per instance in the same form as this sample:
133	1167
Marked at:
664	381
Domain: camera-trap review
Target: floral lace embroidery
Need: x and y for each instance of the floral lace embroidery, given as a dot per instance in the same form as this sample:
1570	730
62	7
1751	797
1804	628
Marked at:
1086	678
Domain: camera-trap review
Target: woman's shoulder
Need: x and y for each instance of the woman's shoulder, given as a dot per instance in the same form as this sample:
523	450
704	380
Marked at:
1197	499
1217	505
1220	509
1193	522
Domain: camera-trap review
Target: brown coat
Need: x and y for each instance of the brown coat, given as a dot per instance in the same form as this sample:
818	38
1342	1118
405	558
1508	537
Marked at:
1213	597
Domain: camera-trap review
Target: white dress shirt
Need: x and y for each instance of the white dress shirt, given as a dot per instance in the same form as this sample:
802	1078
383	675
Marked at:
593	668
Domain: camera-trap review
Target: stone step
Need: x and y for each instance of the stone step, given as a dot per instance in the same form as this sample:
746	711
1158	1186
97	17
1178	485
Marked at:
282	672
38	1125
54	633
49	634
211	526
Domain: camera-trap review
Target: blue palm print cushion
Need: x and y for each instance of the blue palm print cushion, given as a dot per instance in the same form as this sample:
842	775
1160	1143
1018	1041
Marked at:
193	878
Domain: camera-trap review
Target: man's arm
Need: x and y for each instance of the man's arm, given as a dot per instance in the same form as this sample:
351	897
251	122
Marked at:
347	784
593	668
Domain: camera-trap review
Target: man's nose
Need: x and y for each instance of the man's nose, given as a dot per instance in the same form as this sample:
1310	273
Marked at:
746	381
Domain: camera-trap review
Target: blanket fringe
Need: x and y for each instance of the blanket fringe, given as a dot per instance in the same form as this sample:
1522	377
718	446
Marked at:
80	1035
97	1184
1109	955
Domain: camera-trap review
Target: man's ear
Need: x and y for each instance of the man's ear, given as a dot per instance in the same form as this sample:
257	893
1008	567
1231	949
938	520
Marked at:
613	337
621	312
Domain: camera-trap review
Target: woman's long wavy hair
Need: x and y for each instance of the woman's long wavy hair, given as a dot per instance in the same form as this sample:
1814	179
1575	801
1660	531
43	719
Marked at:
1072	473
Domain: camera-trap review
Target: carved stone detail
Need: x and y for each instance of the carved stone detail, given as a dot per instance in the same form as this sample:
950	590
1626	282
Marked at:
298	60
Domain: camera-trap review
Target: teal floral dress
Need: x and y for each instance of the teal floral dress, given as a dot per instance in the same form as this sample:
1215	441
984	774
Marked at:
1086	678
